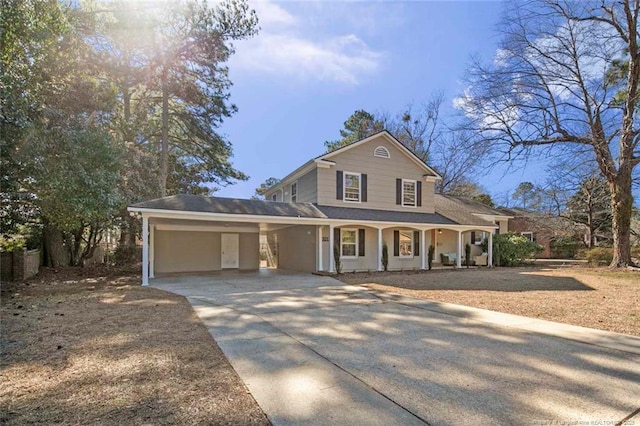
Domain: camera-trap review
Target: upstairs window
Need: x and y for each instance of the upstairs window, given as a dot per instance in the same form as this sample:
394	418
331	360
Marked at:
294	192
352	187
381	152
408	193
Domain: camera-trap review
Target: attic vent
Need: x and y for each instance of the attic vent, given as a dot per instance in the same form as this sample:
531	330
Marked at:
381	152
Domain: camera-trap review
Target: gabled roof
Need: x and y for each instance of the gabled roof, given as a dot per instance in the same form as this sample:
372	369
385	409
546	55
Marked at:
325	158
464	210
393	140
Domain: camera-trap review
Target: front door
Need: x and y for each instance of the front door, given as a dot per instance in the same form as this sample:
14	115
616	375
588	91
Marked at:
230	251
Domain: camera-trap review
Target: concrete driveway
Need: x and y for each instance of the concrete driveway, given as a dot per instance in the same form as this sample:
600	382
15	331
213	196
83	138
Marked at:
315	351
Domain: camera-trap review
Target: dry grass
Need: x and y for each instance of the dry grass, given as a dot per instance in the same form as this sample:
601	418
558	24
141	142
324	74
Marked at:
596	298
83	350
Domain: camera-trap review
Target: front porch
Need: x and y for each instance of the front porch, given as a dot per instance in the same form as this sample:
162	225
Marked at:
361	248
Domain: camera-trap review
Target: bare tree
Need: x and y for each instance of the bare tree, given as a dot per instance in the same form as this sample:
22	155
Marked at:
454	152
566	76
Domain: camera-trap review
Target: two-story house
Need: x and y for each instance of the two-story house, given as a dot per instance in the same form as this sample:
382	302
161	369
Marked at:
349	203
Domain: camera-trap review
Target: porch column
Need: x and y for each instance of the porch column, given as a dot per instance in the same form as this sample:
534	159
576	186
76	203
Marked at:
145	250
380	267
423	244
331	242
490	251
320	265
152	238
459	257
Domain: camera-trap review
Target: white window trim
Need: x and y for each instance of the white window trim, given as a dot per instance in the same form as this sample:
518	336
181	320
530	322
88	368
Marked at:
528	234
481	237
291	191
357	243
344	187
415	193
274	196
400	255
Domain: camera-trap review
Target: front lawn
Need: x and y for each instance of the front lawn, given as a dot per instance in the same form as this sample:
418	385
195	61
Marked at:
596	298
86	348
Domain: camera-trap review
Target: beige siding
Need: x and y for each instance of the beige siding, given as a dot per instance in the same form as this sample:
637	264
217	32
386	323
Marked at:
447	243
368	262
307	188
504	226
249	250
399	263
381	177
296	248
199	251
184	251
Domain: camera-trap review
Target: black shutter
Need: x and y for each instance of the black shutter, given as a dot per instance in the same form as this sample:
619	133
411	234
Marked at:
363	188
360	242
336	238
473	237
416	243
339	185
419	194
396	243
399	191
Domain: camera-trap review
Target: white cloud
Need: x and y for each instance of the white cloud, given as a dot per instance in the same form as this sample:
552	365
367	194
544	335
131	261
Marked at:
286	47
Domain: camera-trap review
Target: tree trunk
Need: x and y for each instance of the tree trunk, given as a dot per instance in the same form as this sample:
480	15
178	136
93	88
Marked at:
164	148
56	254
621	206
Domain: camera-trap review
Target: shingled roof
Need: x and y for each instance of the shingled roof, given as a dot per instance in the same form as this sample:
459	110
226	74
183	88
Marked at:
203	204
464	210
449	210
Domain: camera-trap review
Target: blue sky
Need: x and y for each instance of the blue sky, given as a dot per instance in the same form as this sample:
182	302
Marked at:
314	63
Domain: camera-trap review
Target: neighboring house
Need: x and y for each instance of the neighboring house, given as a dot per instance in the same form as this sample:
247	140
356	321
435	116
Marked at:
363	196
545	229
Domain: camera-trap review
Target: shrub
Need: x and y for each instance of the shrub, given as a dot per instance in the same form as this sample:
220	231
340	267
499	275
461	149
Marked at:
7	245
385	257
467	254
564	247
336	258
430	254
125	255
512	249
599	256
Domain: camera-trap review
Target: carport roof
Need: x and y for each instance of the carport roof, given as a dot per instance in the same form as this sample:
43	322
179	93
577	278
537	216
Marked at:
201	203
448	213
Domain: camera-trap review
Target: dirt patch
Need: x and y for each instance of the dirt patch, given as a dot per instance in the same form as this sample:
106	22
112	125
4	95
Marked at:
596	298
93	347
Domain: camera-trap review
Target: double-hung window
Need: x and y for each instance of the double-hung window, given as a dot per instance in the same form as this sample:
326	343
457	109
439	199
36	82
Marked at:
348	243
408	193
406	244
352	187
294	192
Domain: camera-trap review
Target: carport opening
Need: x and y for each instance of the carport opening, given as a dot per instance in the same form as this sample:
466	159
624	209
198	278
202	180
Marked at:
269	250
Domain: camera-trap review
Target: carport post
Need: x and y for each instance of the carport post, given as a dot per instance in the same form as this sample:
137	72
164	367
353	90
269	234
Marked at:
145	250
331	242
423	263
320	265
490	251
380	242
152	231
459	257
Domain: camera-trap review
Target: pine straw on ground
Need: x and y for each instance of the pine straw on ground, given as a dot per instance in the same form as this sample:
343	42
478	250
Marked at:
94	347
595	298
